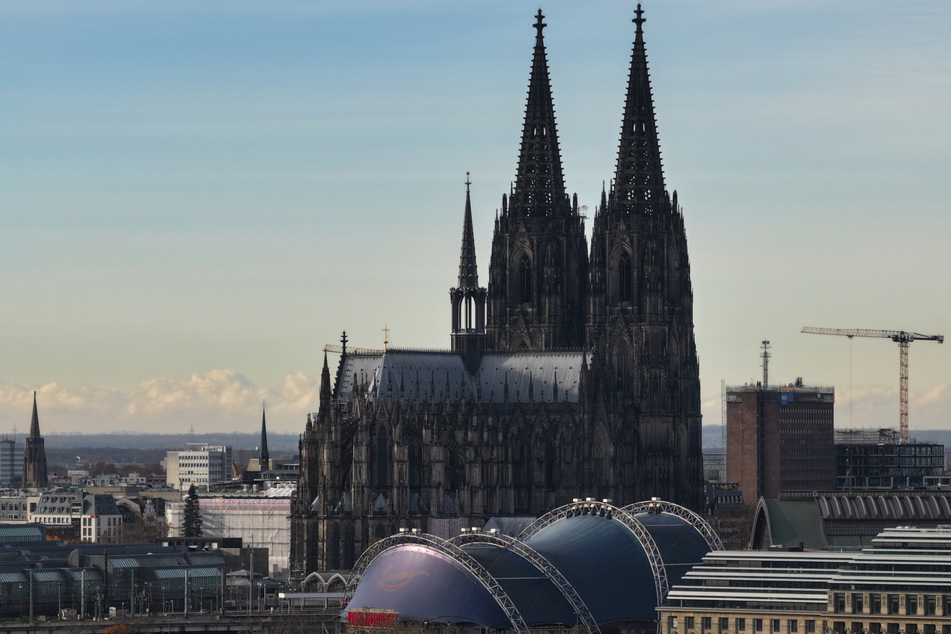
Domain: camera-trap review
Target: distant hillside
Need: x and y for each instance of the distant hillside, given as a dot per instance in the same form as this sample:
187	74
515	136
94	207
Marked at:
275	441
711	437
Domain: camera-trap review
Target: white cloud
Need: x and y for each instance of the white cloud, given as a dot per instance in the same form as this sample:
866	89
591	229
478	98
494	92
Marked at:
219	400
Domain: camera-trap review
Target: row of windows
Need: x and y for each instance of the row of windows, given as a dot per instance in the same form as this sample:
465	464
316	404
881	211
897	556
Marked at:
793	626
739	624
891	604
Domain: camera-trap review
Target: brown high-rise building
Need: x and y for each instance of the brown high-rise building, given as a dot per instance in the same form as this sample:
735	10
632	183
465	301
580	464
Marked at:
568	376
34	455
780	439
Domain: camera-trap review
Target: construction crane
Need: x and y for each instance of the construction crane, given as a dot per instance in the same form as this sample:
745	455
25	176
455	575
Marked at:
902	338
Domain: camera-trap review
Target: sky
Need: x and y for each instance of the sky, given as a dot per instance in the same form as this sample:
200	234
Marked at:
196	197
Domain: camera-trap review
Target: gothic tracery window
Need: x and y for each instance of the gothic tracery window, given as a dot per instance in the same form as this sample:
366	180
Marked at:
525	280
625	278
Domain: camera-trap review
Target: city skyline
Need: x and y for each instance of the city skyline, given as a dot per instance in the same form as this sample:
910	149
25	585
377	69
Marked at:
192	197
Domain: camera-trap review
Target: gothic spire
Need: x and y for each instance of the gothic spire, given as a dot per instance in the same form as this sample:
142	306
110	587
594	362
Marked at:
34	455
468	271
35	422
326	395
639	179
539	184
264	460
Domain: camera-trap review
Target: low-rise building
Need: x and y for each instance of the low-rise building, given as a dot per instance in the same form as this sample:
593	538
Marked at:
899	585
202	466
872	459
258	519
78	516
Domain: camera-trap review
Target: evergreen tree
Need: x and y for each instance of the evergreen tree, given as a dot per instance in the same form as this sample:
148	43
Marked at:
191	516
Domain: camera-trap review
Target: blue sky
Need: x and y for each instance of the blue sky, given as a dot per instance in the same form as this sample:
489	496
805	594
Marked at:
196	197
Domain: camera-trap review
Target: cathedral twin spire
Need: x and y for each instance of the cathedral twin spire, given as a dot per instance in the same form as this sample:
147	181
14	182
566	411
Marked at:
543	292
639	177
540	183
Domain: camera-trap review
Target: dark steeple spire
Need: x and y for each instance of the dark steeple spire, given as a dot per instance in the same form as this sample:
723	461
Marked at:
34	455
326	394
468	271
539	184
264	460
468	299
35	422
639	178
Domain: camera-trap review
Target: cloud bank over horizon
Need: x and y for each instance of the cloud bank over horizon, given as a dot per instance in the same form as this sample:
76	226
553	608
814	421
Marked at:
215	401
226	400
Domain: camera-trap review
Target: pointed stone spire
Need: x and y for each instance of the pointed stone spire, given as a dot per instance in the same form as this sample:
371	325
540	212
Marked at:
326	395
539	184
34	455
468	271
468	299
264	459
639	178
35	421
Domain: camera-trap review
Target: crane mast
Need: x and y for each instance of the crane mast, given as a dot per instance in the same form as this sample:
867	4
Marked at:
902	338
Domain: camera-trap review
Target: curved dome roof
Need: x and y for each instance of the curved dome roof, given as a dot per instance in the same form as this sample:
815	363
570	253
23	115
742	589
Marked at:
585	563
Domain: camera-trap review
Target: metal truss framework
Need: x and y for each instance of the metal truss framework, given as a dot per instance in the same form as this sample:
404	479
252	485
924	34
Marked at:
585	618
609	511
447	548
660	506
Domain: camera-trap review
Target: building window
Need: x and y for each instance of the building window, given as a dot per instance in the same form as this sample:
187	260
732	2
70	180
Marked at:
757	625
688	622
911	604
741	625
838	603
724	624
705	622
792	625
774	625
672	622
810	626
893	604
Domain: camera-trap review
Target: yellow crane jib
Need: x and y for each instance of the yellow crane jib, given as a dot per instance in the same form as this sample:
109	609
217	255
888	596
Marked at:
902	338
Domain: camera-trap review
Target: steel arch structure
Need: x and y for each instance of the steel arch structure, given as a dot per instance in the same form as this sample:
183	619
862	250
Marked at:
585	618
661	506
495	590
609	511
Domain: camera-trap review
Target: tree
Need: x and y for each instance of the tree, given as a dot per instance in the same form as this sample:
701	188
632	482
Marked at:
191	515
144	530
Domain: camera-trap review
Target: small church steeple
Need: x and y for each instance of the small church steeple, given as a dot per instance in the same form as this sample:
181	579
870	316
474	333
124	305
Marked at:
34	455
264	460
468	298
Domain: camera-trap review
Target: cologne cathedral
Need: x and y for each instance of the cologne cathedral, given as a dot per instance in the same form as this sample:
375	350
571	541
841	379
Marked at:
573	374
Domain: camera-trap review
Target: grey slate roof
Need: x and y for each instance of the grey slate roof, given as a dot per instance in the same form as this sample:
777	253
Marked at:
521	377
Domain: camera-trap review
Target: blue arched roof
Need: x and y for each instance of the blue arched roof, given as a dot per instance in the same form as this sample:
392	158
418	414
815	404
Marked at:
678	542
600	557
537	598
423	584
605	563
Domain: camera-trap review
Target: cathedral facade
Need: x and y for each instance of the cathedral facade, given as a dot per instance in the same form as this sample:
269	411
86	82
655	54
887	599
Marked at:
573	374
